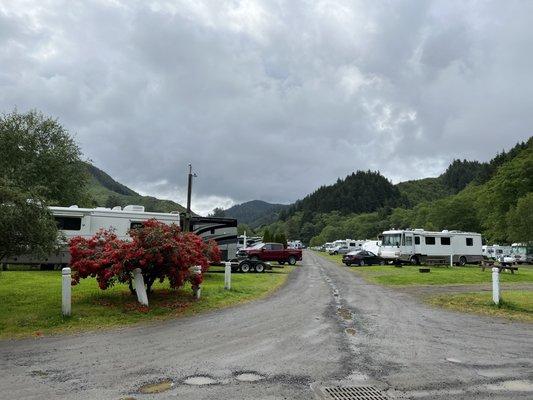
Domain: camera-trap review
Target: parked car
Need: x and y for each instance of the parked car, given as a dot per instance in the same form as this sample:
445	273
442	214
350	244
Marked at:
362	257
339	250
272	252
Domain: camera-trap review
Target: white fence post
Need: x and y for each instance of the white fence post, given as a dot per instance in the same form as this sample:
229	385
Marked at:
227	275
66	289
196	289
139	287
496	285
451	260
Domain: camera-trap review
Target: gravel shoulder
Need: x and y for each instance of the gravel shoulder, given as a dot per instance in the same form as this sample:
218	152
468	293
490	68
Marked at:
326	326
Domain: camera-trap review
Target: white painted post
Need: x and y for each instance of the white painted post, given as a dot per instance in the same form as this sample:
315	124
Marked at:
227	275
196	289
66	292
451	260
139	287
244	241
496	285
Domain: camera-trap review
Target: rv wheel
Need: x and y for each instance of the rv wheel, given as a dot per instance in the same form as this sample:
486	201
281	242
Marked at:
260	267
414	260
462	261
335	253
382	262
245	267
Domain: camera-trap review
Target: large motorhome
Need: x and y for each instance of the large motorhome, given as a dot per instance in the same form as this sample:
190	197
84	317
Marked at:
221	230
522	252
418	246
86	222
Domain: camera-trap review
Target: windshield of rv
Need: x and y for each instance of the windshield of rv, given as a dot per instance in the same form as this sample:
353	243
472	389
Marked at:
519	250
391	239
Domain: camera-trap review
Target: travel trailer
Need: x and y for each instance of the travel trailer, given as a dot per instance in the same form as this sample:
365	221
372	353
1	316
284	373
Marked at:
372	246
295	244
345	246
418	246
496	251
250	241
86	222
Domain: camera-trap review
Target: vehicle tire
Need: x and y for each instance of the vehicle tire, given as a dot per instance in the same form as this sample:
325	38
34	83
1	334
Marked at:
462	261
382	262
348	263
292	260
281	262
414	260
259	268
245	267
335	253
361	263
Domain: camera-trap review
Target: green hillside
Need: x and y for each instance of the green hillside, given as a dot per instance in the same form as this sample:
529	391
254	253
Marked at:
255	213
106	192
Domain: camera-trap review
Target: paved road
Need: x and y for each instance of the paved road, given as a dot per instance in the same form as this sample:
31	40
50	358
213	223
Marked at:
293	340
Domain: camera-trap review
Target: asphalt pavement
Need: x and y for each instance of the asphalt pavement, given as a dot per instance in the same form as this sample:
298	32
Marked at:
325	328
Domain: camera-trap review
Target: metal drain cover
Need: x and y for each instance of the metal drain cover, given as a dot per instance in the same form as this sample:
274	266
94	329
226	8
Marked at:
354	393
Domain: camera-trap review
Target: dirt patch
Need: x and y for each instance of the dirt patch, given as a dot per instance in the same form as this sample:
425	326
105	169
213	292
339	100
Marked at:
344	313
350	331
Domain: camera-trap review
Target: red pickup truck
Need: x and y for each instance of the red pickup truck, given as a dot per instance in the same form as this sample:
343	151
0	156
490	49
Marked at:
272	252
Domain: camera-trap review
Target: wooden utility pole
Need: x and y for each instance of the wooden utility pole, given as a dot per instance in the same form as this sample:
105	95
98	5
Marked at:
187	224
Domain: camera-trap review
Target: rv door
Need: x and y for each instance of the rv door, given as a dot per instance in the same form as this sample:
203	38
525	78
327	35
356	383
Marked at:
408	243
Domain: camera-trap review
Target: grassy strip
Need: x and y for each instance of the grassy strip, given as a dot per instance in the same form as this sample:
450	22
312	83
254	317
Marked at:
516	305
439	275
31	301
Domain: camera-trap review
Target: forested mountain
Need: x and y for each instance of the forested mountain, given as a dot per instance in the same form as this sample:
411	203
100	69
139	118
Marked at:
106	192
494	198
362	191
255	213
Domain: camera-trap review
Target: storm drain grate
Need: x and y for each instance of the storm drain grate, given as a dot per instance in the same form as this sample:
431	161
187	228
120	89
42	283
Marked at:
355	393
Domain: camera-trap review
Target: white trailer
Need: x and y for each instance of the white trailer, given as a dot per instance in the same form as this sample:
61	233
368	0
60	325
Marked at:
419	246
496	251
86	222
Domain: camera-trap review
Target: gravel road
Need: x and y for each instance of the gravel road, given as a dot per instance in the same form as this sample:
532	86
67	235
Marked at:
325	327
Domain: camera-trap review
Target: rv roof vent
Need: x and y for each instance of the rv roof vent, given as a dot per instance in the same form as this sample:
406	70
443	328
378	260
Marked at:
73	206
175	212
418	230
134	208
117	208
445	231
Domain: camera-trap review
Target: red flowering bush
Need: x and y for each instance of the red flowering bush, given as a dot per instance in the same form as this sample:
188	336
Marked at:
161	252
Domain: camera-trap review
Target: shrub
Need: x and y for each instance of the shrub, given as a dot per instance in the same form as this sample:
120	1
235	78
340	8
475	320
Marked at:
161	252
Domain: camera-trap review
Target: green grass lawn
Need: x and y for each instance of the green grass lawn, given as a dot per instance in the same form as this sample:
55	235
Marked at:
515	304
439	275
31	301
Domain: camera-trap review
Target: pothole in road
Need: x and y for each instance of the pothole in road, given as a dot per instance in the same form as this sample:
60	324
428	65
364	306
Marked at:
199	381
157	387
350	331
249	377
344	313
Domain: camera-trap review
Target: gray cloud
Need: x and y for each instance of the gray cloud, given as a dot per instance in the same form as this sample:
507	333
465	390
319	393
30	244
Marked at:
271	99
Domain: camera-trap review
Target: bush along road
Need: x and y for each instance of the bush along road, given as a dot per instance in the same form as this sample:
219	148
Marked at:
325	327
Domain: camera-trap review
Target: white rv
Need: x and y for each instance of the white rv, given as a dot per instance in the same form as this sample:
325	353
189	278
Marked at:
522	253
496	251
345	246
86	222
417	246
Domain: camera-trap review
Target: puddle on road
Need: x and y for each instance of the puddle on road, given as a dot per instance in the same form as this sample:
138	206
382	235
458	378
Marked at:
199	381
249	377
344	313
350	331
513	386
158	387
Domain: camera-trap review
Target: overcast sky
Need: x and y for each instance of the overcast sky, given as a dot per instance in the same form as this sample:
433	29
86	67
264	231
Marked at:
271	99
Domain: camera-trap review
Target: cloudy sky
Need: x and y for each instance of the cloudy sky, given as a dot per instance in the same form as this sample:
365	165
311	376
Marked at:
271	99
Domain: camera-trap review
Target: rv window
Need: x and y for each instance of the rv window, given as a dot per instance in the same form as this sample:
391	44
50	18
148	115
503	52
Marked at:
499	251
430	240
408	240
353	244
417	239
68	223
469	241
445	241
136	224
